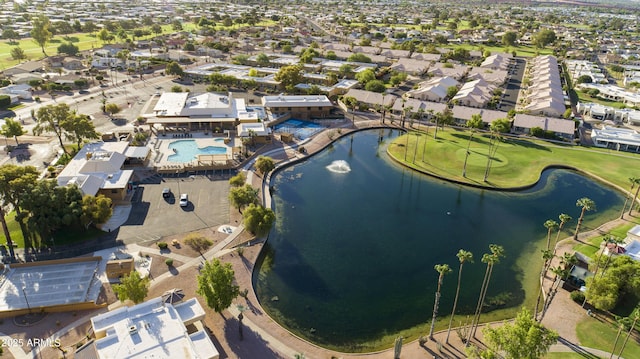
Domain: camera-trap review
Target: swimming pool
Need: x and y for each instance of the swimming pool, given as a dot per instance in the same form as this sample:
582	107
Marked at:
300	129
188	150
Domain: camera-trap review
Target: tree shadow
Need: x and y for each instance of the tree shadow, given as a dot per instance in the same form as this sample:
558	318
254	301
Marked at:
577	349
252	345
173	270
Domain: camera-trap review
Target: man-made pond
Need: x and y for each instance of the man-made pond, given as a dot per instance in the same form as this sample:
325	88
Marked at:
351	256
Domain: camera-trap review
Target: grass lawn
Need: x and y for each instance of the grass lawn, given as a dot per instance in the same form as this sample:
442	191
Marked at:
517	162
585	98
526	51
568	355
593	333
593	246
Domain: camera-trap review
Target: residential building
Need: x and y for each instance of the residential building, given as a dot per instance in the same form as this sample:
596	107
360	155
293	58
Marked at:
462	114
476	93
545	96
371	99
523	123
434	90
620	139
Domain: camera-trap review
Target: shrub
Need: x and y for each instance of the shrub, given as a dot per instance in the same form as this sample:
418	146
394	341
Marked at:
577	296
198	243
163	245
169	262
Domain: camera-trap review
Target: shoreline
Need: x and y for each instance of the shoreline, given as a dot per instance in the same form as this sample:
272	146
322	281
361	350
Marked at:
429	349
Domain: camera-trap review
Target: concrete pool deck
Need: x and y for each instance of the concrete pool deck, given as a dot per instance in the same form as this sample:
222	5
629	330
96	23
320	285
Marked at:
161	150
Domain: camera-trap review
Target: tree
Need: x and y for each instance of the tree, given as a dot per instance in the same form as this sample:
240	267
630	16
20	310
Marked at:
621	278
289	76
634	181
345	70
111	108
550	225
636	317
173	68
490	259
17	53
509	38
10	35
564	218
359	57
366	76
474	123
40	32
78	127
635	196
544	38
216	285
584	79
265	164
451	92
69	49
463	257
15	182
12	128
105	36
258	220
95	209
523	339
587	204
241	197
375	86
238	180
262	59
442	270
50	118
132	287
156	29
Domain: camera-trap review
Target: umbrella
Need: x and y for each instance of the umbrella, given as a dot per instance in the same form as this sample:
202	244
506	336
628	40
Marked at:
173	296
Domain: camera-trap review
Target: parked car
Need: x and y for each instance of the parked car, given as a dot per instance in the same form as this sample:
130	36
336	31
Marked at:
166	192
184	200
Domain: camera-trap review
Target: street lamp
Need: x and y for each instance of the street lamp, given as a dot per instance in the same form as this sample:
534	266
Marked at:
25	298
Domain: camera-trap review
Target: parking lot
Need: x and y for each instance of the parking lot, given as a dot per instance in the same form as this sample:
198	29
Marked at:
153	216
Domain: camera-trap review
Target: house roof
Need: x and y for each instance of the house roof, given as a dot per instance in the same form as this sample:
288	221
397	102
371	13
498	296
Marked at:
546	123
296	101
373	98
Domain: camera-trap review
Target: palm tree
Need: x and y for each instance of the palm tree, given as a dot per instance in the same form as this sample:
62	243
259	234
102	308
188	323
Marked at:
474	123
634	181
560	273
621	322
491	260
442	270
564	218
551	225
615	241
463	257
587	204
547	255
635	195
636	316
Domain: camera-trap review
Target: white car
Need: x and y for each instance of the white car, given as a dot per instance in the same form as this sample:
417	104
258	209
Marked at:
184	200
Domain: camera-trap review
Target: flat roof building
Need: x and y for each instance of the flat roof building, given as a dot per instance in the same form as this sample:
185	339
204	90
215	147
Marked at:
153	329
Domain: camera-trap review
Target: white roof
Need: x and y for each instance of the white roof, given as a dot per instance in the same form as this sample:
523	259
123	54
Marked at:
152	329
257	127
616	135
296	101
137	151
171	103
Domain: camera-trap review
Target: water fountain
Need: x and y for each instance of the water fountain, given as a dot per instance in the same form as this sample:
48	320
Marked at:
339	166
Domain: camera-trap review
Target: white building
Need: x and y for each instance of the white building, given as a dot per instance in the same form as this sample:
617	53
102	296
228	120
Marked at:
152	329
620	139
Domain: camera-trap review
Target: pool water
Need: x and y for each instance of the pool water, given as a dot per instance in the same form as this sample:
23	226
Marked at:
300	129
188	150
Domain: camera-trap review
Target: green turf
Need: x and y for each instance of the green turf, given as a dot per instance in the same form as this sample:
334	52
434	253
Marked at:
593	333
568	355
516	163
593	245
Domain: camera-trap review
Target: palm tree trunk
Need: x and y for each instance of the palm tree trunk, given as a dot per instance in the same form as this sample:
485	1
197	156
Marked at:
626	199
626	339
615	343
466	156
7	235
455	302
535	312
475	314
635	197
575	235
484	295
435	309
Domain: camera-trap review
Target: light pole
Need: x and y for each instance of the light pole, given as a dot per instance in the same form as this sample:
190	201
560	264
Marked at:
25	298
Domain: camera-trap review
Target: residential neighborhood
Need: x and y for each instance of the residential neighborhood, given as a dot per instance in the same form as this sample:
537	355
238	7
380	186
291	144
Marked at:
280	179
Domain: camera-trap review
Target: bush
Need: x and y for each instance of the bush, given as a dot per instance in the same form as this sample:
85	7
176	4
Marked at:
169	262
163	245
198	243
577	296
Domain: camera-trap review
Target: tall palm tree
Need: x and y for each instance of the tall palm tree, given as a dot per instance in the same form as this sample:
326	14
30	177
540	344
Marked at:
564	218
490	259
615	241
621	322
551	225
473	124
634	181
636	316
547	255
442	269
587	204
635	195
560	273
463	257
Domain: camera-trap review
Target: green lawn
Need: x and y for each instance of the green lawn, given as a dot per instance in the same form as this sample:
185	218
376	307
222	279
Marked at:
593	246
568	355
584	98
593	333
517	162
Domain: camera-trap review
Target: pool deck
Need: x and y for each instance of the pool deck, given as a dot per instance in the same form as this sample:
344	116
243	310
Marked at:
161	150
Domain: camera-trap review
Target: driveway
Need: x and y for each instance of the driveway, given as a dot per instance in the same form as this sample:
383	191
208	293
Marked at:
153	217
510	97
